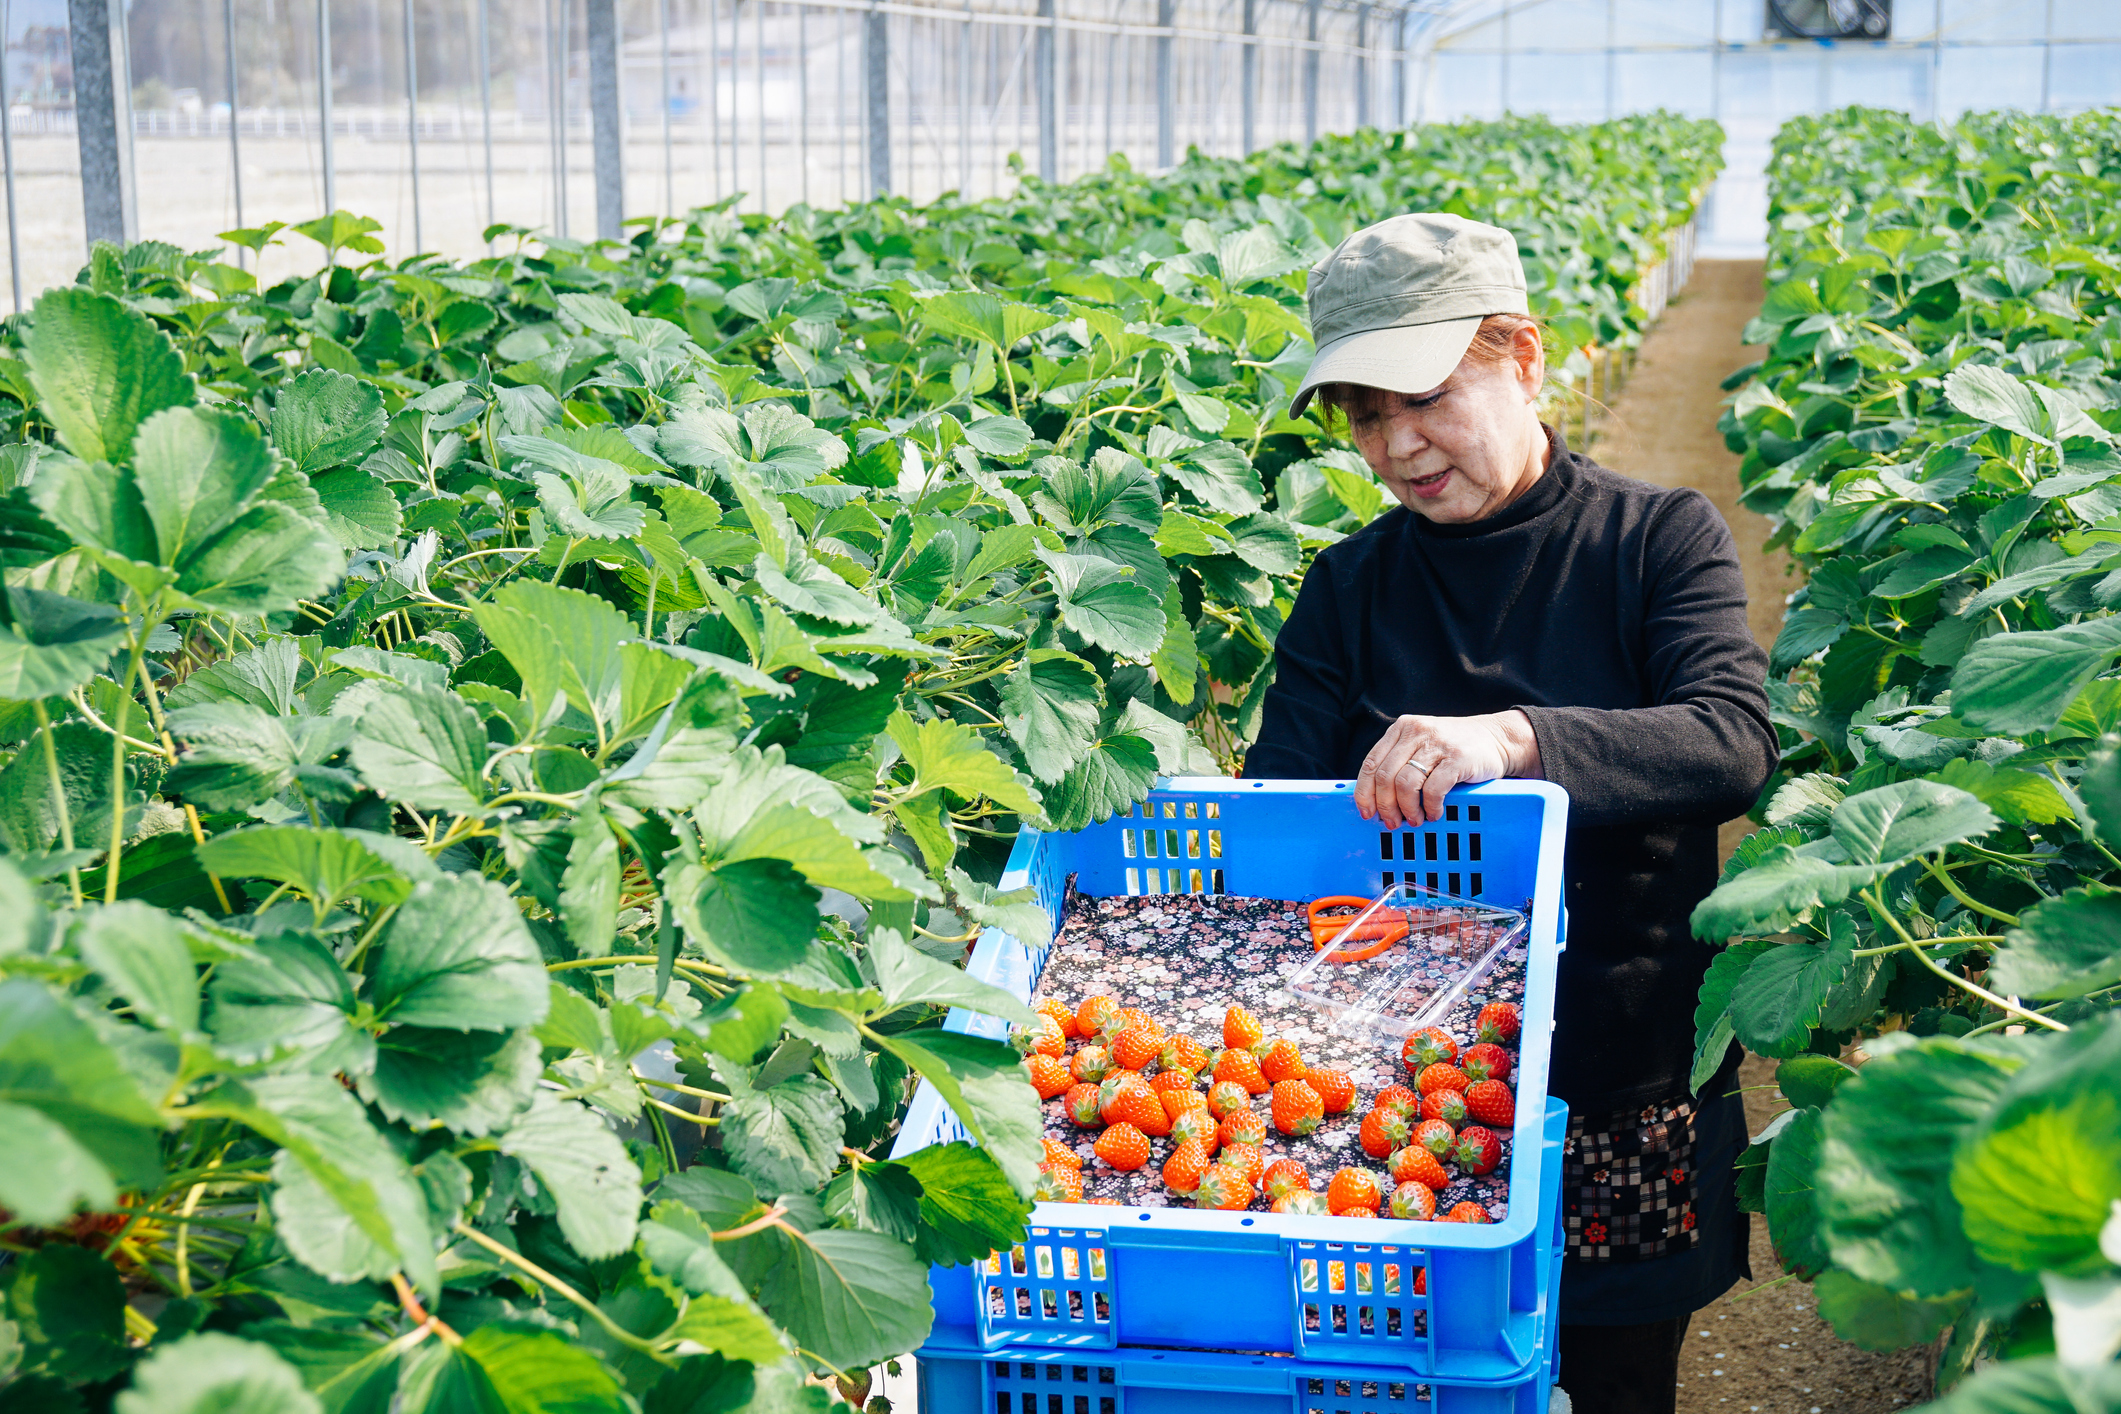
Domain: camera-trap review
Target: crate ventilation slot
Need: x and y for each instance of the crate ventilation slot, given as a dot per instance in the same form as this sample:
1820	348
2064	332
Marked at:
1443	846
1051	1387
1332	1396
1179	856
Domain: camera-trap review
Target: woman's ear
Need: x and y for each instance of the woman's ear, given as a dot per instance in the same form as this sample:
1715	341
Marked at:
1530	357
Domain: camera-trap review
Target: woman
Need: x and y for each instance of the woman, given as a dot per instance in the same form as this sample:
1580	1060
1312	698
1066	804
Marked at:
1529	613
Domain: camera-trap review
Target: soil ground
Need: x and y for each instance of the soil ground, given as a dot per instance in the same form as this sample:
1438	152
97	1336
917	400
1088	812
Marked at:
1770	1352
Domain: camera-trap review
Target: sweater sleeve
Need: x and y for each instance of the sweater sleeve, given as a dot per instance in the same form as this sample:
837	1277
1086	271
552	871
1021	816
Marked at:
1303	727
1704	748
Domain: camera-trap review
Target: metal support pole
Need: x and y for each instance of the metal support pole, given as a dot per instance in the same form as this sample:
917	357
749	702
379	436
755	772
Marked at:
1248	82
486	108
2047	57
1311	73
1166	11
758	88
1362	66
1716	65
662	24
1612	68
103	203
964	103
235	109
876	84
1042	93
412	122
7	155
802	95
1504	87
324	118
606	141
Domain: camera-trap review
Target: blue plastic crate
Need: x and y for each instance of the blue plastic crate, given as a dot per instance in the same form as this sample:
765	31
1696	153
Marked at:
966	1380
1094	1277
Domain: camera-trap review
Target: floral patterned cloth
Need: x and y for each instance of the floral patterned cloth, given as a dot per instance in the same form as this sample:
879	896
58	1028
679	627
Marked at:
1184	959
1629	1183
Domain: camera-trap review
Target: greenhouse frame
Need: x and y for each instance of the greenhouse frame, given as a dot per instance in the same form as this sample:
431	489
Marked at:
443	118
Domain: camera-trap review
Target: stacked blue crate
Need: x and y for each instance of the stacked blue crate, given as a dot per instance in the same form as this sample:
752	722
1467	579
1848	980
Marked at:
1331	1299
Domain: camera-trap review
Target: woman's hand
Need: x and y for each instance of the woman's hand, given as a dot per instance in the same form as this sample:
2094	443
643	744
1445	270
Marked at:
1417	761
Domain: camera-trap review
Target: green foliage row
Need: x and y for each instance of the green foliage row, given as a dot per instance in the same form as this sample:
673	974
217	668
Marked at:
503	760
1934	432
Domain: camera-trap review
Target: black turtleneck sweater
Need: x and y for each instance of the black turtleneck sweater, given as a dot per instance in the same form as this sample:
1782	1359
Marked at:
1613	613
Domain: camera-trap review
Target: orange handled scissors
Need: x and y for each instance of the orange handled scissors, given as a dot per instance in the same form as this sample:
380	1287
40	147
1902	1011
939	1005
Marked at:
1330	917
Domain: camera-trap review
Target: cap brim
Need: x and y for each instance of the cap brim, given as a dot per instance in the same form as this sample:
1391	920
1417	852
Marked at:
1412	358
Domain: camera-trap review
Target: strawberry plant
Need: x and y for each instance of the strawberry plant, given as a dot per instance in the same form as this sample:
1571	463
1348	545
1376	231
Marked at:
503	760
1924	934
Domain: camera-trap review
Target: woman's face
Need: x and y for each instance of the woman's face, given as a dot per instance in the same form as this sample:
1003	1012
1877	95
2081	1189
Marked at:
1462	451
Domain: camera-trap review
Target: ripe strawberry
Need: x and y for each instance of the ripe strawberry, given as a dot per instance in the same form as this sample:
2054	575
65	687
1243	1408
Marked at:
1241	1028
1106	1202
1435	1136
1491	1103
1333	1087
1177	1102
1283	1177
1247	1159
1351	1188
1048	1076
1199	1126
1130	1016
1399	1125
1427	1047
1497	1023
1091	1063
1222	1187
1172	1080
1421	1281
1441	1076
1183	1169
1085	1106
1477	1150
1225	1096
1296	1107
1063	1015
1307	1202
1446	1105
1467	1212
1060	1155
1397	1095
1413	1200
1414	1164
1362	1212
1242	1127
1043	1037
1124	1147
1282	1062
1091	1016
1136	1047
1242	1067
1183	1053
1486	1061
1138	1105
1375	1142
1059	1185
1120	1072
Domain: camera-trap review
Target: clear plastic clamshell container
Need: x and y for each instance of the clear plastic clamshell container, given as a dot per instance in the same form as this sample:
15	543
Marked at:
1403	961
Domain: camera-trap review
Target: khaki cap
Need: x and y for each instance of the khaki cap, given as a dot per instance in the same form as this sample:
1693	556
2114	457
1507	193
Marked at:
1396	305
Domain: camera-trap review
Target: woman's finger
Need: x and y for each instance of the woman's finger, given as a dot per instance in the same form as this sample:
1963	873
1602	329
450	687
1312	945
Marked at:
1374	787
1449	772
1366	778
1406	784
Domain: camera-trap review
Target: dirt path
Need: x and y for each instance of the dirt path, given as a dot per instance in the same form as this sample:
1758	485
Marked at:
1769	1353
